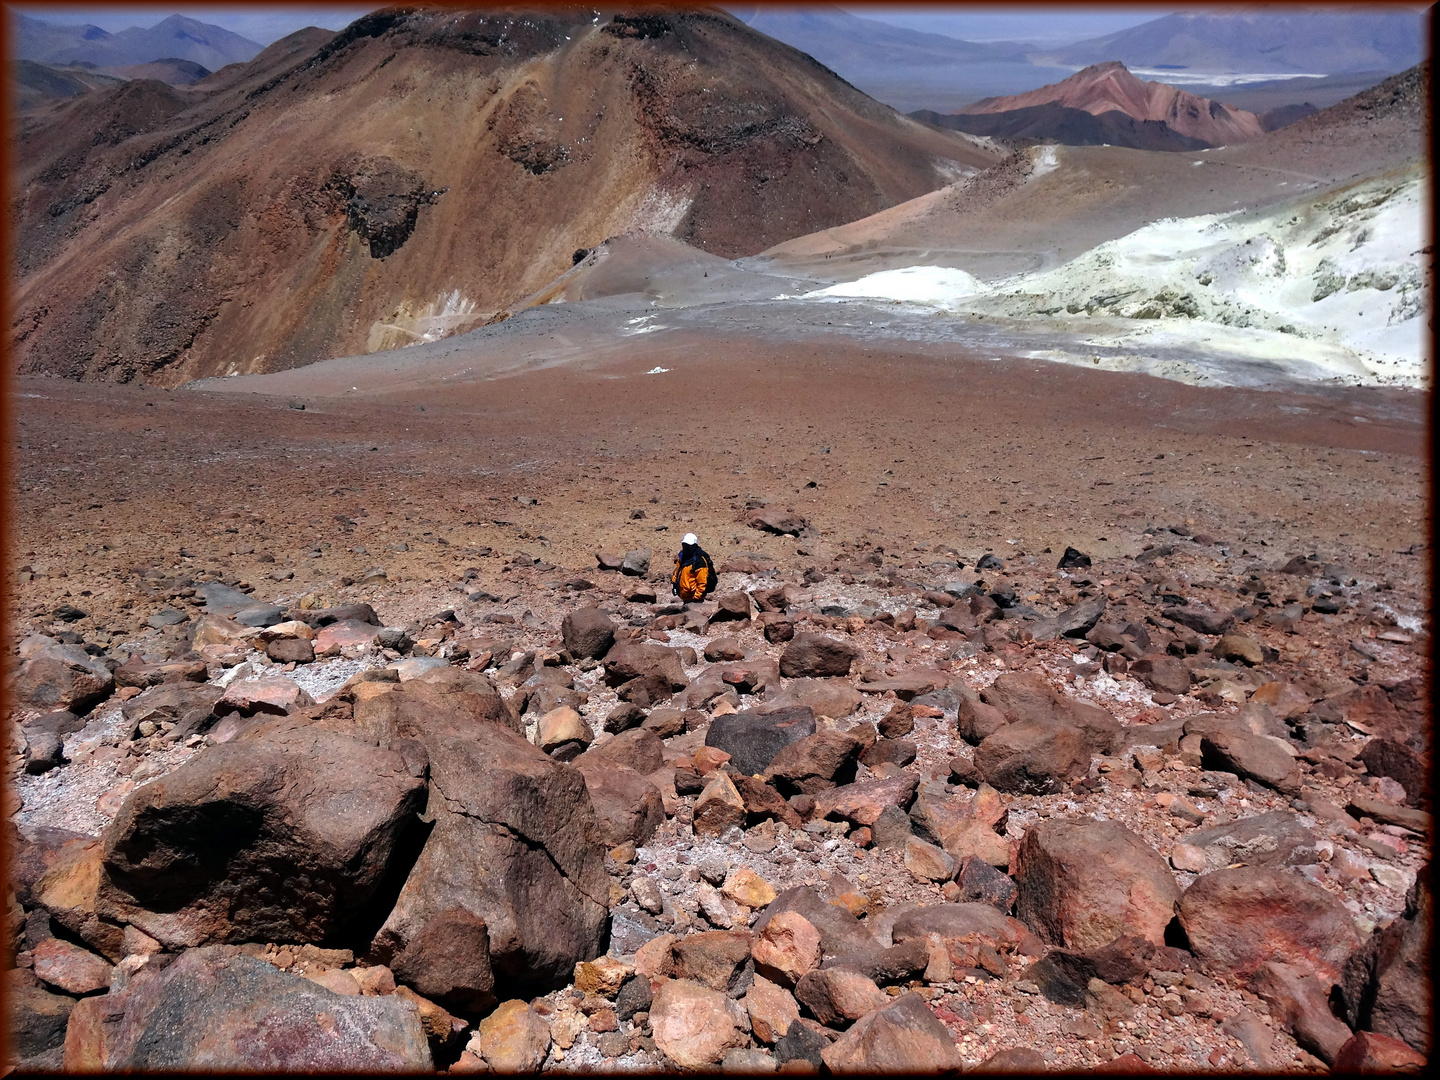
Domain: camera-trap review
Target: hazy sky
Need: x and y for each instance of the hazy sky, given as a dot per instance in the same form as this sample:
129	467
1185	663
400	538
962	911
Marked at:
265	23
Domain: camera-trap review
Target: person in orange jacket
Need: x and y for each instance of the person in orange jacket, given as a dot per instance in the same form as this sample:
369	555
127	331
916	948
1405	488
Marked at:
694	575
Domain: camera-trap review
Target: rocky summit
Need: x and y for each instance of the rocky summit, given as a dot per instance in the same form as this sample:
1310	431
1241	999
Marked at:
1019	816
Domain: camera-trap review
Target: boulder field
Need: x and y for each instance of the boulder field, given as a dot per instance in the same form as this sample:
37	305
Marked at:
958	816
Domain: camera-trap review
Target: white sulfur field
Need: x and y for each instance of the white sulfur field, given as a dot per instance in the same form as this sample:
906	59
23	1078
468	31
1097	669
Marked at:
1328	286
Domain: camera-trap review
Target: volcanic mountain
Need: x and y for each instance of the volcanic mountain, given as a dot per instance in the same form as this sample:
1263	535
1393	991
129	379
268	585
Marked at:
416	173
1103	89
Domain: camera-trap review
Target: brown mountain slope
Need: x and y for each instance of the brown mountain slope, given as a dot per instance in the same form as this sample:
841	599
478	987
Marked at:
421	170
1109	87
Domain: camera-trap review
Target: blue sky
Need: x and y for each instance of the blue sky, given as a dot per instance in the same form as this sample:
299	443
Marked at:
266	23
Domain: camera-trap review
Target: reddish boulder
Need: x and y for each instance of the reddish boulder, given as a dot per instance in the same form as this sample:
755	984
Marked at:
1238	919
55	676
1386	984
863	803
1083	883
837	995
1033	757
814	763
218	1010
1367	1052
588	632
787	947
713	958
694	1025
815	656
1162	673
903	1037
70	968
1254	756
515	844
627	806
658	666
280	835
1301	1004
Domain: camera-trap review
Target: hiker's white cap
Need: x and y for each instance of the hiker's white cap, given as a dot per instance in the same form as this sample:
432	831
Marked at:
689	538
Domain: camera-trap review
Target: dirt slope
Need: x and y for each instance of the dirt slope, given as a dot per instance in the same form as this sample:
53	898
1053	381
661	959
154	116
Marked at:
420	171
1109	87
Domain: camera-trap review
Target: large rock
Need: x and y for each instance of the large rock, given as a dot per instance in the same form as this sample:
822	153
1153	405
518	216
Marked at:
515	846
281	835
694	1025
271	695
1274	839
514	1039
773	519
1083	883
1161	673
772	1010
786	948
1301	1003
643	751
1033	757
191	707
810	656
1254	756
834	698
588	632
446	700
35	1018
1387	757
216	1009
658	667
952	921
1238	919
840	931
977	721
713	958
1200	619
815	762
55	676
70	968
862	803
835	996
1026	695
719	807
904	1037
627	806
752	738
1386	984
1367	1052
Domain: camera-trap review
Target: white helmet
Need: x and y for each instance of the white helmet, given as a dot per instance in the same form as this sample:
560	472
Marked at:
689	540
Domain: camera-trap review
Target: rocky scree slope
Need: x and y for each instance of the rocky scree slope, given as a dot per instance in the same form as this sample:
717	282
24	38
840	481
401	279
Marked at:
416	173
1023	815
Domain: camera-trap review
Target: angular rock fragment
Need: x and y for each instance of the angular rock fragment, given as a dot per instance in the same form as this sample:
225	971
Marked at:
1081	884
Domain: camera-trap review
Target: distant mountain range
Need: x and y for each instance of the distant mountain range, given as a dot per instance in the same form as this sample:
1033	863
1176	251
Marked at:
1106	104
1317	42
842	41
176	38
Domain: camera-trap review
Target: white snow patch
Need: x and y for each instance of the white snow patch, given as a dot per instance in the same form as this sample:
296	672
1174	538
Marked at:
657	371
1047	160
929	285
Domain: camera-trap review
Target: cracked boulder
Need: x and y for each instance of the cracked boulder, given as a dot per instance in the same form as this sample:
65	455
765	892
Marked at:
216	1009
516	849
281	835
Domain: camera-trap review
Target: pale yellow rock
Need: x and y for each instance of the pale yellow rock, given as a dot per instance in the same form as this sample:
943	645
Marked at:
514	1039
747	888
602	976
562	725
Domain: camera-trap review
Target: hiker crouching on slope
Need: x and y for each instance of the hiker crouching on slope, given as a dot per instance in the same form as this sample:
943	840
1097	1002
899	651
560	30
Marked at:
694	575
